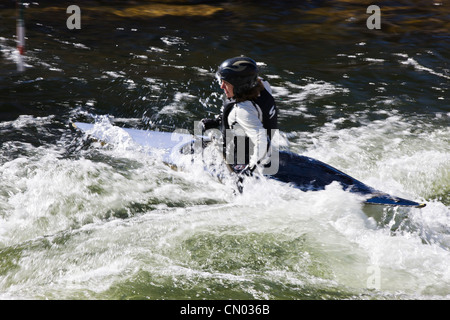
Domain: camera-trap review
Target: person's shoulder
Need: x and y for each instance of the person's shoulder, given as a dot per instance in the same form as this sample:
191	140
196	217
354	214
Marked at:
245	105
246	111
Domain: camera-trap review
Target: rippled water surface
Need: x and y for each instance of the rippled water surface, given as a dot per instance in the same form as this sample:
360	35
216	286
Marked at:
82	220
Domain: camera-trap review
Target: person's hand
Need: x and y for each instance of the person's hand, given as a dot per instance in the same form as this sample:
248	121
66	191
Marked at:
206	124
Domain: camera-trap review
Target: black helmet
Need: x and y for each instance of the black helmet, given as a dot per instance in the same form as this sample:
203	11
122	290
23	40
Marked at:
241	72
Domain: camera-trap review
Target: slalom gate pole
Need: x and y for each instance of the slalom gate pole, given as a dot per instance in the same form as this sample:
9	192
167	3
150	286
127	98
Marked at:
20	36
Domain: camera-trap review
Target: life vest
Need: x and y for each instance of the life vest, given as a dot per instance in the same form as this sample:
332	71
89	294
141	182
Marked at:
268	114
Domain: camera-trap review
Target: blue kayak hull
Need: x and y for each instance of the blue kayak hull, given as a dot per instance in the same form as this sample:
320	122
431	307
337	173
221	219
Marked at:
309	174
298	171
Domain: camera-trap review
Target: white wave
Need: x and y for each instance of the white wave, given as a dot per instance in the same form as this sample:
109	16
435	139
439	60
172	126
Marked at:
83	225
172	40
412	62
313	90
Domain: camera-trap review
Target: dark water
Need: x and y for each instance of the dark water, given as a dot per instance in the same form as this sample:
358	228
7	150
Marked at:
110	223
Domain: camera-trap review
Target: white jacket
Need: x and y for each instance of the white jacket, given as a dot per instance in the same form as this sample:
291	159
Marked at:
245	119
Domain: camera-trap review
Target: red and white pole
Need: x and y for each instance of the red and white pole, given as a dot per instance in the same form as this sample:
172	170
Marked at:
20	37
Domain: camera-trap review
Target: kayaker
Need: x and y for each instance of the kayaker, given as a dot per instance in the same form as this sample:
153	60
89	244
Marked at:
249	115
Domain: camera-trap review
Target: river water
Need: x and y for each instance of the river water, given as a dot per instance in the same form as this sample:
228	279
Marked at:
82	220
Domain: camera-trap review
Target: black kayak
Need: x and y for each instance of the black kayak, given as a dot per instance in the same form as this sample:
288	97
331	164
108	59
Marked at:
309	174
298	171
